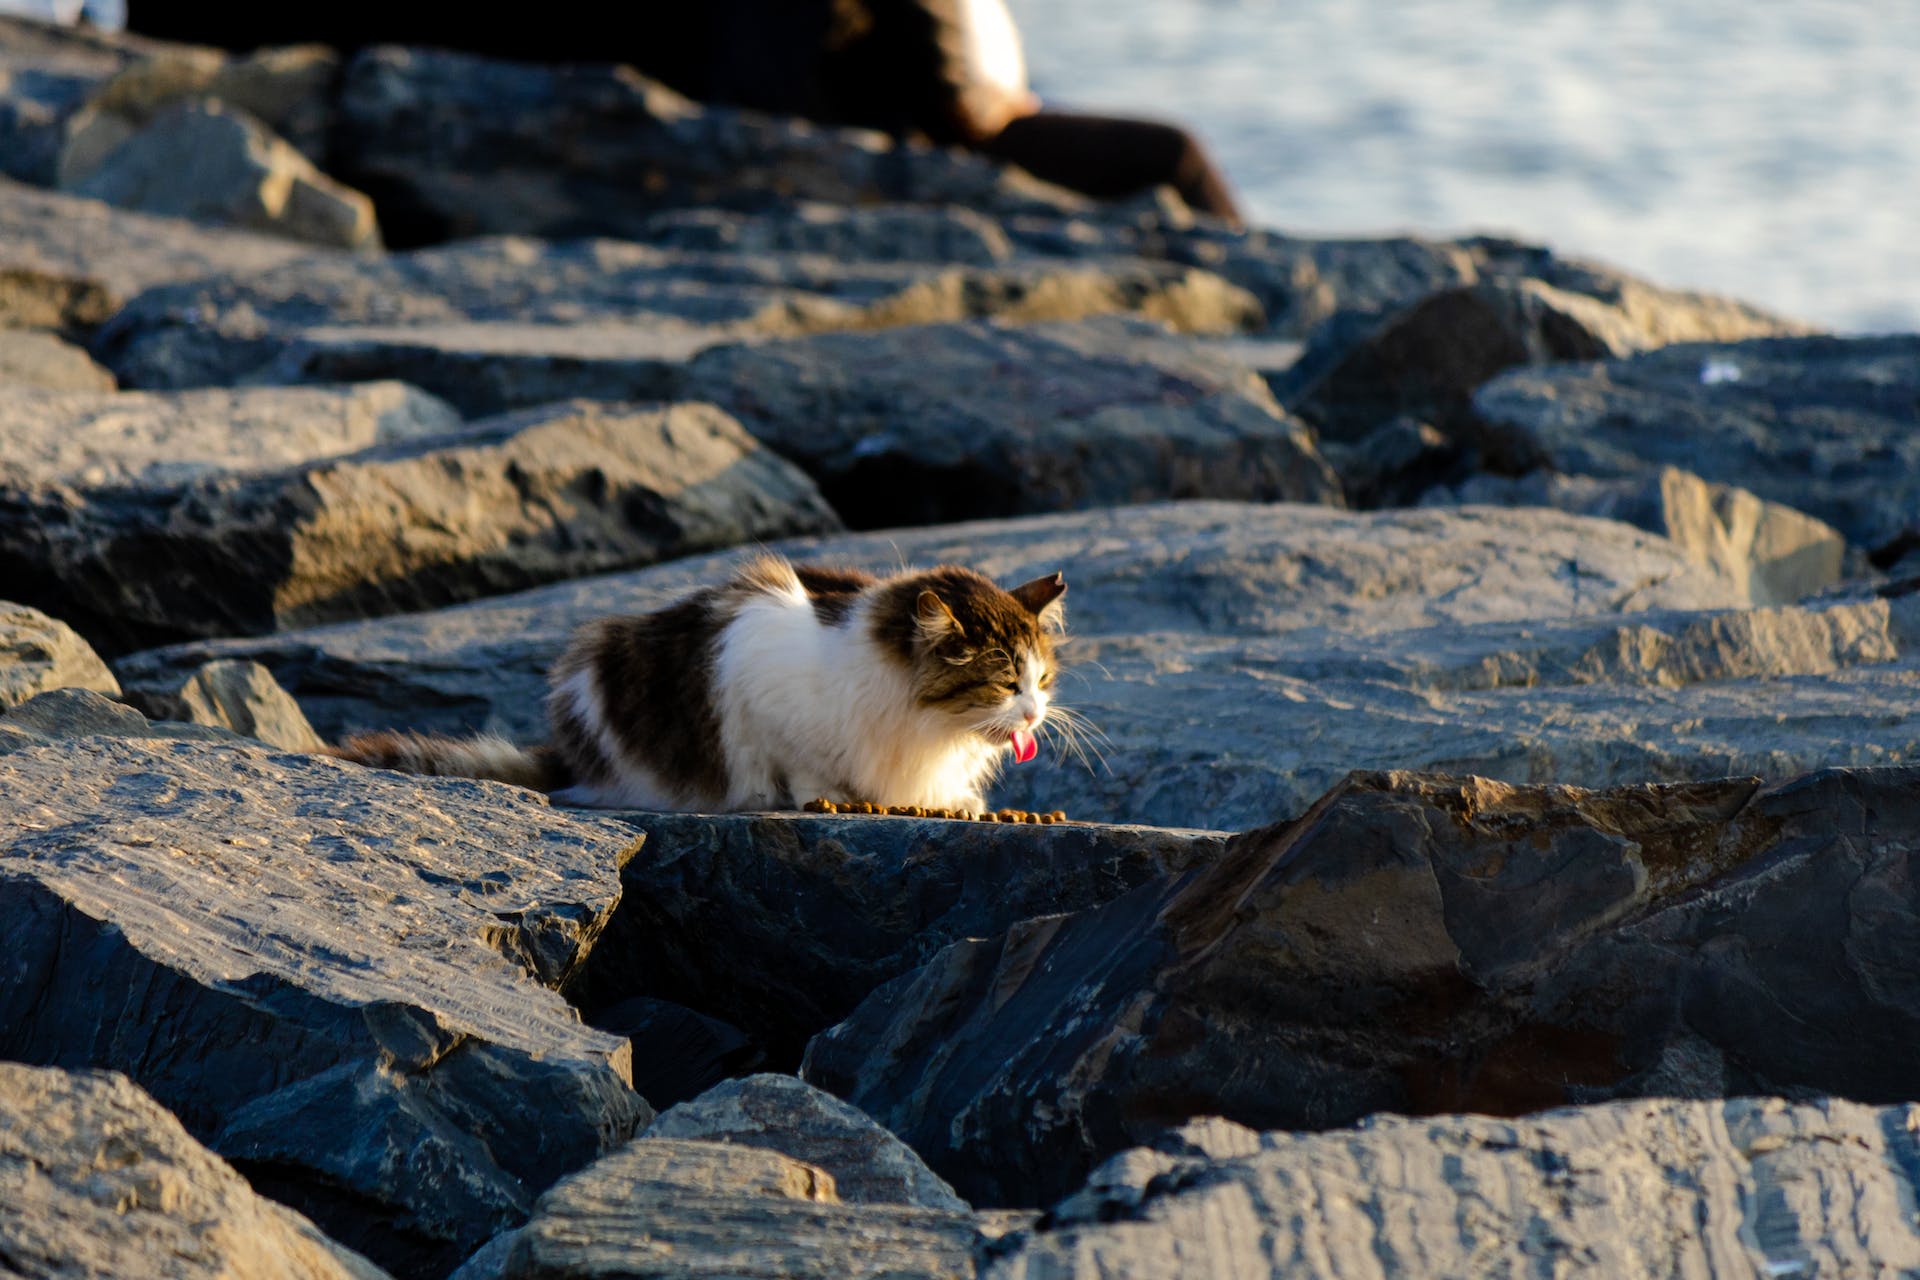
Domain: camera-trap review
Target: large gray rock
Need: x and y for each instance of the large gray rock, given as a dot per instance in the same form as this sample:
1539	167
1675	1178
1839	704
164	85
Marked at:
788	1115
39	653
46	72
506	322
1757	1188
33	359
245	698
1419	943
60	714
931	424
1825	425
67	262
670	1209
139	547
214	163
341	981
96	1179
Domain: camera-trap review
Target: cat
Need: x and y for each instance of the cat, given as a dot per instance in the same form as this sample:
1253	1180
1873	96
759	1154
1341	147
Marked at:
784	684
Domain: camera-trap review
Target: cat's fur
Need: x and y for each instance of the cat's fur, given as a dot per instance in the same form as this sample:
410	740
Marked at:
784	684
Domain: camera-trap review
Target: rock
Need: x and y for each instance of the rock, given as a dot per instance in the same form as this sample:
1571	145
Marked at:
69	263
244	697
679	1054
876	233
873	897
1416	943
1747	1187
453	145
787	1115
1777	554
939	423
1427	358
1824	425
341	980
38	653
60	714
214	163
46	72
1396	464
672	1209
98	1180
415	521
30	359
501	323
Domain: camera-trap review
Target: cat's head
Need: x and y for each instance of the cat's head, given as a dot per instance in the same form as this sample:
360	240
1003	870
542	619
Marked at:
979	653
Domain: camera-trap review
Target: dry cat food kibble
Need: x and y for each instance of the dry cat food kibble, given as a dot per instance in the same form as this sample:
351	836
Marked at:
918	811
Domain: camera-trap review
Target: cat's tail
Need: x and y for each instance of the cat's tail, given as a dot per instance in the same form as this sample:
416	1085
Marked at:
486	755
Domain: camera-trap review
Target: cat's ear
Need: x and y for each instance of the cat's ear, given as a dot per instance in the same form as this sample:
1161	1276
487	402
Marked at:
1041	597
933	620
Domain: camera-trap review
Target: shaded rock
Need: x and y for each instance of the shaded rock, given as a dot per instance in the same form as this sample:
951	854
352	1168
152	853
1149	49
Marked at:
678	1054
67	262
38	653
1824	425
30	359
60	714
214	163
1777	554
669	1209
243	697
820	909
1397	463
932	424
507	322
342	981
1748	1187
1416	943
876	233
46	72
98	1180
415	522
454	145
788	1115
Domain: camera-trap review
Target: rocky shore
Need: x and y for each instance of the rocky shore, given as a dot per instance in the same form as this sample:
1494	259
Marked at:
1500	856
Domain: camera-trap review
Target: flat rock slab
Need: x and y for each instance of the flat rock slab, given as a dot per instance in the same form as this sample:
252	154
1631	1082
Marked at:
931	424
96	1179
501	322
67	262
1825	425
668	1209
1750	1187
819	910
341	981
1420	944
81	713
39	653
144	549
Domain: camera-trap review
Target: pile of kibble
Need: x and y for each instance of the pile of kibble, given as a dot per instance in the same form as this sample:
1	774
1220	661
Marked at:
919	811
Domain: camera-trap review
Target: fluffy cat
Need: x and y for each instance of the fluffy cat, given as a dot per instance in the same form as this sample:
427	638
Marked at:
783	684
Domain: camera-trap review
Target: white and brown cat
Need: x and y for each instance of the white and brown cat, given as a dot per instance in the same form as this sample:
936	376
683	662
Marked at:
781	685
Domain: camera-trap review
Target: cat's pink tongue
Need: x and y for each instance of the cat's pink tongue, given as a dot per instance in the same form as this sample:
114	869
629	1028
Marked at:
1024	746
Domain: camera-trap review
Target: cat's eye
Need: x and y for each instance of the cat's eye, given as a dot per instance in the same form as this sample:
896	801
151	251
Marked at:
1046	678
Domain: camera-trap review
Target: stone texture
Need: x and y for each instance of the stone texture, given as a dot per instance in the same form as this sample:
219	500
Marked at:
213	163
38	653
98	1180
1824	425
874	233
411	523
342	981
931	424
1757	1188
67	262
1776	554
1416	943
873	897
670	1209
790	1116
243	697
679	1053
46	73
61	714
30	359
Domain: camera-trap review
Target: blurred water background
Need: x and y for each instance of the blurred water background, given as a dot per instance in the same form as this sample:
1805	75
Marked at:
1760	148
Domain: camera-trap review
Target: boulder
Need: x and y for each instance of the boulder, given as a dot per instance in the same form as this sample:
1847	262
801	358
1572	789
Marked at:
214	163
32	359
1745	1187
60	714
672	1209
1823	425
1776	553
143	550
790	1116
821	909
96	1179
678	1053
38	653
952	234
342	981
1417	943
931	424
47	71
245	698
508	322
67	262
